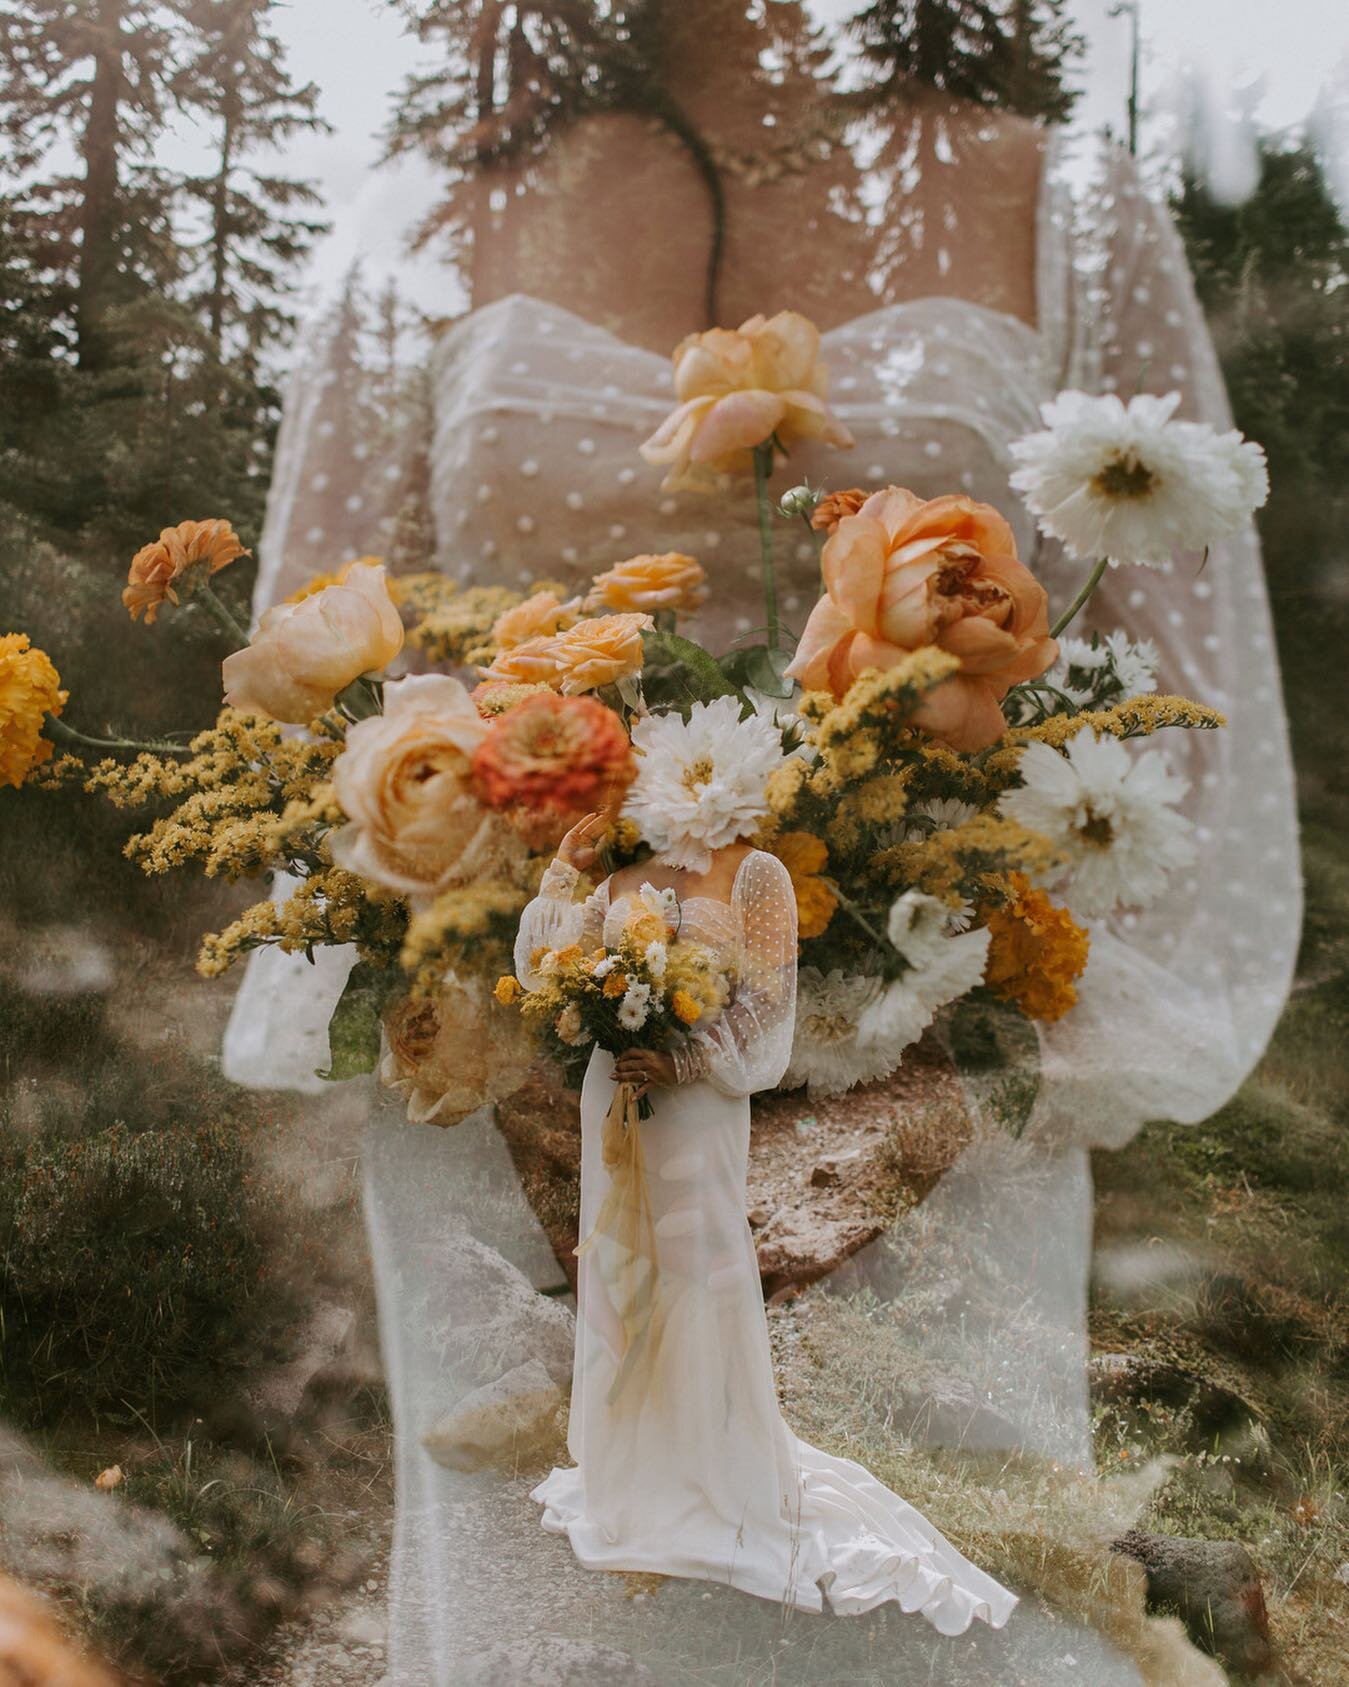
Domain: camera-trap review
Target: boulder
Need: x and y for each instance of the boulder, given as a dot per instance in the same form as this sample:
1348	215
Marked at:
553	1661
1215	1588
498	1422
1131	1384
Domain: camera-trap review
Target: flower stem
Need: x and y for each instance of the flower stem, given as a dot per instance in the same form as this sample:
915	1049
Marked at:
854	913
64	734
222	616
763	467
1093	580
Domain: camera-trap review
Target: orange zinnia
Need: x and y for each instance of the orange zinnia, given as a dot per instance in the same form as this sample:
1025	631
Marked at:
555	755
158	570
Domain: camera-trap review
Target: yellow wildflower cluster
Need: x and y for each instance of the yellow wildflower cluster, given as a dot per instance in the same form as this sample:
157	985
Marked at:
452	623
1036	952
331	906
338	577
473	926
1135	717
30	690
805	857
877	699
957	862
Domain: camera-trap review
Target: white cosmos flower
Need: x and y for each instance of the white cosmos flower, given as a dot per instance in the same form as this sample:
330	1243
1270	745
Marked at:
701	784
942	812
908	1004
1110	815
633	1009
825	1052
1129	483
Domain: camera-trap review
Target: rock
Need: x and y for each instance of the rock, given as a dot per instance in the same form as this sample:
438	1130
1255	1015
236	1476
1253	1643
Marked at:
498	1421
362	1627
552	1661
824	1176
1133	1382
492	1319
948	1411
758	1217
1215	1588
321	1340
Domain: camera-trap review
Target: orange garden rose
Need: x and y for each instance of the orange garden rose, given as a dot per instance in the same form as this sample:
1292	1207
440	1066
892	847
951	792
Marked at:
670	581
539	616
554	755
404	783
304	653
832	508
450	1053
1036	952
159	570
30	690
904	573
593	653
738	388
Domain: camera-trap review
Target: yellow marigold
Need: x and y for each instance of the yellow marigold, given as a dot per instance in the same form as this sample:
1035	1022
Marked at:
1036	952
686	1010
508	990
173	561
615	984
805	857
30	690
338	577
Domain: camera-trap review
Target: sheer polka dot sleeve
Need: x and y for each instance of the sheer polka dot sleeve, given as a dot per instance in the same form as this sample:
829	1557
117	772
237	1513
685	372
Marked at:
554	918
748	1047
1179	999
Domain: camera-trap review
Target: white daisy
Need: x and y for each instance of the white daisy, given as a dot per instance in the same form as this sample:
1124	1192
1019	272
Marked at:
941	813
633	1009
657	957
602	969
1081	653
825	1051
701	783
908	1004
1128	483
1109	815
664	904
1135	665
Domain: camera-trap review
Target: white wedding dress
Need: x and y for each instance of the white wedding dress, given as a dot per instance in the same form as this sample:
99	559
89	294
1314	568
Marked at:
521	454
684	1465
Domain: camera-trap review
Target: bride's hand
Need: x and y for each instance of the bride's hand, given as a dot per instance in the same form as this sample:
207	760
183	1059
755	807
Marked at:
581	845
642	1068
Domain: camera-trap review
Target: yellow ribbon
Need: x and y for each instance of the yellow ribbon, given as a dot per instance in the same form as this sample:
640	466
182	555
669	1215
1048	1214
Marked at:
625	1218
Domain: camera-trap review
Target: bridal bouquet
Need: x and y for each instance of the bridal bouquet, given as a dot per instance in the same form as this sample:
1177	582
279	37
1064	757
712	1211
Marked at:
647	991
951	784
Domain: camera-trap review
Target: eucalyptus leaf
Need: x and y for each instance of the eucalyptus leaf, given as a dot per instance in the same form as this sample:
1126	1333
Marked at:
761	667
354	1029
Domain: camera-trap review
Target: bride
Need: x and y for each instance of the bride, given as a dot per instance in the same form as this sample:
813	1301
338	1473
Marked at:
965	266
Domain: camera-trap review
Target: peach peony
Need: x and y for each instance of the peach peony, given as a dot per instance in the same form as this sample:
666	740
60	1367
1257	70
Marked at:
449	1054
904	573
403	781
160	570
30	690
557	755
539	616
304	653
670	581
737	388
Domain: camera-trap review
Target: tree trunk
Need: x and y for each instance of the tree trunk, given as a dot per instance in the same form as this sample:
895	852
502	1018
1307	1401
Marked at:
97	281
220	232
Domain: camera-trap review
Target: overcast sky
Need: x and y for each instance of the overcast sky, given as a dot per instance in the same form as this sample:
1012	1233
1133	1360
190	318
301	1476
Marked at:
1276	55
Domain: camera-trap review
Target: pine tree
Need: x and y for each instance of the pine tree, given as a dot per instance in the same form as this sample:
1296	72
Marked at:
258	226
1012	54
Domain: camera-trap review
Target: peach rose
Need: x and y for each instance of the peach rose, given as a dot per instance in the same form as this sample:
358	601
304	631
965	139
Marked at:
539	616
449	1054
597	652
738	388
403	781
903	573
832	508
304	653
160	570
669	581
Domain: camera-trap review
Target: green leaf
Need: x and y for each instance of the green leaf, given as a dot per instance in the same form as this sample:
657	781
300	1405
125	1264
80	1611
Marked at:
676	672
761	667
354	1029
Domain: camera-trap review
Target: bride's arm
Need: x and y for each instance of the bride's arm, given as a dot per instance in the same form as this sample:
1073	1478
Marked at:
554	918
749	1045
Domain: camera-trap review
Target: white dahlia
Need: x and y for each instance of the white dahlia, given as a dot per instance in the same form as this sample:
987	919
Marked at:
1110	816
701	783
908	1004
1128	483
826	1055
635	1006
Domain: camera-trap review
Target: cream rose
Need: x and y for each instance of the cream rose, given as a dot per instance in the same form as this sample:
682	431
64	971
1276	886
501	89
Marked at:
449	1054
738	388
403	783
905	572
304	653
593	653
648	583
539	616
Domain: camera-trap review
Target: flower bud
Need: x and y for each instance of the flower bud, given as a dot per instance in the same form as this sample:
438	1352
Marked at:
798	500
